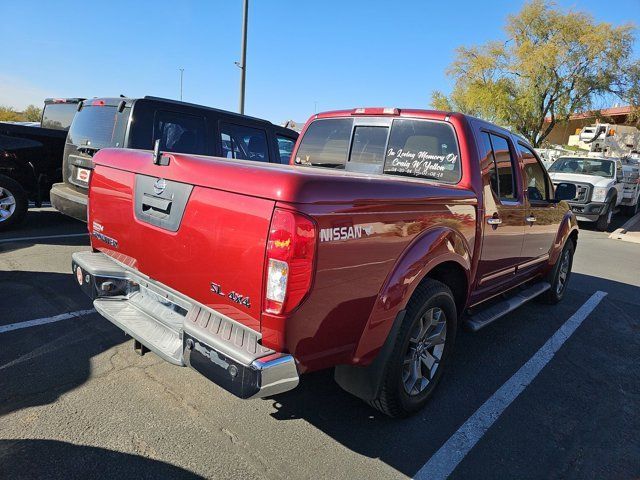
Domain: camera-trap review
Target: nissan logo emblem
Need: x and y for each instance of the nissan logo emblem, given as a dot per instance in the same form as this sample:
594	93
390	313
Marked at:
159	186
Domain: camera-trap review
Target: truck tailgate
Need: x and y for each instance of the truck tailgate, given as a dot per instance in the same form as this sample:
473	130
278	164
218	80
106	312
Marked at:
206	243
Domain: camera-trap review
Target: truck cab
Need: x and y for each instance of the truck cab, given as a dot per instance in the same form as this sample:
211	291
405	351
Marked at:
181	127
599	185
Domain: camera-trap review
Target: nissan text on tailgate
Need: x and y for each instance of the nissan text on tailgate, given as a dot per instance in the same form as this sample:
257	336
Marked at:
389	230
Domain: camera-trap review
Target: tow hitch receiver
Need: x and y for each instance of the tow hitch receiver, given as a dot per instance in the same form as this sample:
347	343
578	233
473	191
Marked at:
139	348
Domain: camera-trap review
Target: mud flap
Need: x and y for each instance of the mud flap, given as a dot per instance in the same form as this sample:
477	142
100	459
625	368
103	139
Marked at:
366	382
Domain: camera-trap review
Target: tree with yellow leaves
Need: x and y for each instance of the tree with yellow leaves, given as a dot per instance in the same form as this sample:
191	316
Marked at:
553	64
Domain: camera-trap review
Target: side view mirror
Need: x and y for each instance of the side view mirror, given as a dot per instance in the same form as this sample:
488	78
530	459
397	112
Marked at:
565	191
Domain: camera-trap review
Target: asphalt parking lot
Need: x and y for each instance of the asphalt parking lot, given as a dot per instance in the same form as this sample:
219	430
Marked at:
77	402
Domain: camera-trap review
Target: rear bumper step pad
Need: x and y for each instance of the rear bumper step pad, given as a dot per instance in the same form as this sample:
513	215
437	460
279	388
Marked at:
183	331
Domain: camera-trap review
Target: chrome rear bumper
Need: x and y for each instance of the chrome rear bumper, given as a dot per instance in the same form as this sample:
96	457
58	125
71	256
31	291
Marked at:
183	331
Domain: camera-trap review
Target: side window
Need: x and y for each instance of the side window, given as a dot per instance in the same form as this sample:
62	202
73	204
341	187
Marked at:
504	165
230	149
285	147
244	143
534	176
618	171
488	164
180	132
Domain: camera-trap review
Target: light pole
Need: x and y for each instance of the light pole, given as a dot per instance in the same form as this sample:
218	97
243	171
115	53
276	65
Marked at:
181	75
243	59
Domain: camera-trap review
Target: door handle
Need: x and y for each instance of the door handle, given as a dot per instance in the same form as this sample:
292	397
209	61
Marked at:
530	219
494	221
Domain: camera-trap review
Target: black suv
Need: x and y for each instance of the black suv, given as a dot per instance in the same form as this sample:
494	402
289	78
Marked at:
181	127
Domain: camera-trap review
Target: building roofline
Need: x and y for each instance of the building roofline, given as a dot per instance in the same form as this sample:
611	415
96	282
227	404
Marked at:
604	112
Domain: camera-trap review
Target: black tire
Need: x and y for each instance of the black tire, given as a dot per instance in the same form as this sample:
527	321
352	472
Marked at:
430	298
605	219
557	278
13	203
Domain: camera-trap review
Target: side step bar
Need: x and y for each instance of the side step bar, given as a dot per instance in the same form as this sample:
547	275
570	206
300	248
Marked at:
491	314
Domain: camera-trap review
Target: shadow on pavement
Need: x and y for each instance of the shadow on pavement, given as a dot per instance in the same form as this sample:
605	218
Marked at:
80	240
38	364
44	222
616	222
52	459
624	292
481	363
38	219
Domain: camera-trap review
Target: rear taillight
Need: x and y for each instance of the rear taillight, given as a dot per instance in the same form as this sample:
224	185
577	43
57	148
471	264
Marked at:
291	250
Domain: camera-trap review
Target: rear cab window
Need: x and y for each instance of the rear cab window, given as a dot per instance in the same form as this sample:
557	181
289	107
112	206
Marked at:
407	147
58	115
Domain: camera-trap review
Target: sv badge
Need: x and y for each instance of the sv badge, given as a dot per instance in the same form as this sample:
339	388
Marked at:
233	296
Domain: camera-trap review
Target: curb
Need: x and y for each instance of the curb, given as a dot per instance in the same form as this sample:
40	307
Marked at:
630	231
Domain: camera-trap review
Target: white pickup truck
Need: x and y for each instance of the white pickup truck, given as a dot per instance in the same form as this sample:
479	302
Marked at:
602	185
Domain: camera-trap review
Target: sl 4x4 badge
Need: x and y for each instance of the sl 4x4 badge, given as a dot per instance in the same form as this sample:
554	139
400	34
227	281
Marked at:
233	296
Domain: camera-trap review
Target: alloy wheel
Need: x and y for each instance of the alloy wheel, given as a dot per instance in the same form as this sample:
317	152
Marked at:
424	353
563	273
7	204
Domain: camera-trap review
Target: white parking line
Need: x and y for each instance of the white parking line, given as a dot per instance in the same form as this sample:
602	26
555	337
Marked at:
43	321
447	458
24	239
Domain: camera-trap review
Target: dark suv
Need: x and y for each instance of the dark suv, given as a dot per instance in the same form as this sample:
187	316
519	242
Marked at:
30	156
181	127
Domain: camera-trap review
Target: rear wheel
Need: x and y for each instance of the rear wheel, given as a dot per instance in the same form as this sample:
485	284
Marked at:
605	219
13	203
559	275
424	344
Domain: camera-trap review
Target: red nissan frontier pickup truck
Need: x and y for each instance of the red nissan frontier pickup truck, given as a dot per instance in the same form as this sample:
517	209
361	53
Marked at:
389	230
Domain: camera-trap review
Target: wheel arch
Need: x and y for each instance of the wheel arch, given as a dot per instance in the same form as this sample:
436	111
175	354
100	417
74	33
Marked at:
444	257
441	254
568	229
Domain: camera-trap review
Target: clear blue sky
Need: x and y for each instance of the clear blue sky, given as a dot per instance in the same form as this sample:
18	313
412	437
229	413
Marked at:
340	54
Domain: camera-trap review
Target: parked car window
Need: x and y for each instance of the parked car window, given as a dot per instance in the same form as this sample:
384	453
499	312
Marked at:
245	143
504	164
59	115
534	176
325	143
230	149
99	126
584	166
285	147
423	149
489	164
180	132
